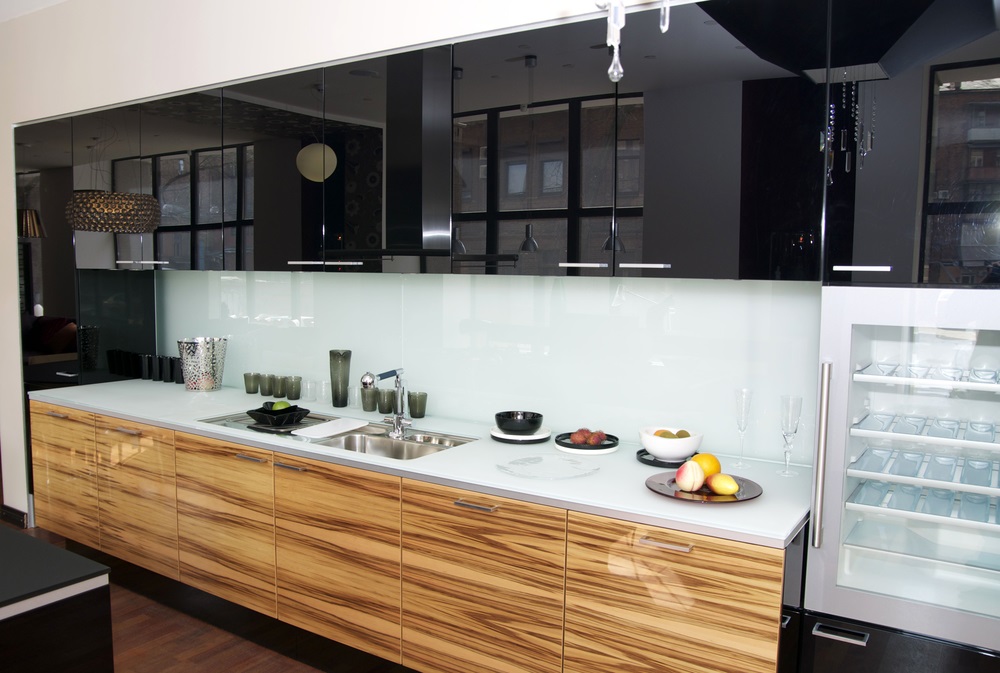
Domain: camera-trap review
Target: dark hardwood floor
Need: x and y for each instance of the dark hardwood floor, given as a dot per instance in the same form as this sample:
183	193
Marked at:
162	626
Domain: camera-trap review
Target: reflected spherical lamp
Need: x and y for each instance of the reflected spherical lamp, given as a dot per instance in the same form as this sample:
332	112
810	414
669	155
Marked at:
316	162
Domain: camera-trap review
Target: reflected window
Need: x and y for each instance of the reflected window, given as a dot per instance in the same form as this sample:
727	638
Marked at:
553	168
962	211
517	176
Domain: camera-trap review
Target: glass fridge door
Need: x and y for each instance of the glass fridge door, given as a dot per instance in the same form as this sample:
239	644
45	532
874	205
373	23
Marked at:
910	536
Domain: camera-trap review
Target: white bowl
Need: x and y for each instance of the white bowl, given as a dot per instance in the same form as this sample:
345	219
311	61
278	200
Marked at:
666	448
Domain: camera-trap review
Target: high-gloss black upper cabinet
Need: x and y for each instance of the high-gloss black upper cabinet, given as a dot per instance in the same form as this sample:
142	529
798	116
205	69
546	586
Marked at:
914	174
703	161
344	168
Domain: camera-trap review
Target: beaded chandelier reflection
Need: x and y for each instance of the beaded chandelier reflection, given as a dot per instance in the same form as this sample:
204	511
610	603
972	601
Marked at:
113	212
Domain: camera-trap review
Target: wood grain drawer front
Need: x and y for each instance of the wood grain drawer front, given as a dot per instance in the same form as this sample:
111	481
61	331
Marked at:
64	472
225	520
641	598
483	580
136	478
337	539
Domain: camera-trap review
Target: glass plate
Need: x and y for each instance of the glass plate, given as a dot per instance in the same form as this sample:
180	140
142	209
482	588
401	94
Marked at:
664	484
548	467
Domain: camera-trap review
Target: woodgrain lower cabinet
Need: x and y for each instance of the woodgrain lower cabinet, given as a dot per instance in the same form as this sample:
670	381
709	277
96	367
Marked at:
138	497
337	538
642	598
64	472
482	582
225	520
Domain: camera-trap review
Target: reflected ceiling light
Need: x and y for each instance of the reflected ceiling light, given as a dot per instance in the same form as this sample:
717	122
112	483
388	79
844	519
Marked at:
29	224
457	246
612	243
316	162
112	212
529	244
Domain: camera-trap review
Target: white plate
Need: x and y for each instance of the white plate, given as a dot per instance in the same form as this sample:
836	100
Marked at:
539	435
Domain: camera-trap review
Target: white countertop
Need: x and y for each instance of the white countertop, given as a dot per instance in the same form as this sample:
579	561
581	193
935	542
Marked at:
616	489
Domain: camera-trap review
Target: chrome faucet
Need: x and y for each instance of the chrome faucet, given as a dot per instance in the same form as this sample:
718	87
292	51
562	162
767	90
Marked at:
398	418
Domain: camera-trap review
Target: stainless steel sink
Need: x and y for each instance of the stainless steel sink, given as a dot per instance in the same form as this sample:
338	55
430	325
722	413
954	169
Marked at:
411	446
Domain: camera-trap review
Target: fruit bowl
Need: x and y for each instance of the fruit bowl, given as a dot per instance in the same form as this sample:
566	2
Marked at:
669	448
519	422
265	415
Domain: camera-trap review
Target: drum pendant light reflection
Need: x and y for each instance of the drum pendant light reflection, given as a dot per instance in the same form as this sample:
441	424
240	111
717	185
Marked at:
113	212
316	162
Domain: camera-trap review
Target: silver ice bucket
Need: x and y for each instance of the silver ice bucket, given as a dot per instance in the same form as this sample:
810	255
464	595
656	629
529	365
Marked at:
202	361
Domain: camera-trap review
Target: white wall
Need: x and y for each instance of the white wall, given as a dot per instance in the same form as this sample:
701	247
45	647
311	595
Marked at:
615	354
87	54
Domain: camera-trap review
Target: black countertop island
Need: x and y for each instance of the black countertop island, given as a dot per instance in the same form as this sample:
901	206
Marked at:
55	608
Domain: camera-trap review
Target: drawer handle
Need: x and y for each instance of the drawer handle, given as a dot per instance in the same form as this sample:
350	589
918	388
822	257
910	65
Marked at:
252	459
843	635
479	508
290	467
127	431
56	414
683	548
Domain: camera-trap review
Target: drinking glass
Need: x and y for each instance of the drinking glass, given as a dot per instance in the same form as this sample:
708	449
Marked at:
791	409
743	399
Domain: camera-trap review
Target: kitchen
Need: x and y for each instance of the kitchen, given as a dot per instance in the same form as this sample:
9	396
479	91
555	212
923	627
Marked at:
493	311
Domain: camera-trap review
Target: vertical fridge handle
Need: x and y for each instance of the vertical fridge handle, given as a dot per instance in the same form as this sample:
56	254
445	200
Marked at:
819	471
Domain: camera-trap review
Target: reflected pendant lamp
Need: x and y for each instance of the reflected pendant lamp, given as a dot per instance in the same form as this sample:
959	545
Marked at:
113	212
316	162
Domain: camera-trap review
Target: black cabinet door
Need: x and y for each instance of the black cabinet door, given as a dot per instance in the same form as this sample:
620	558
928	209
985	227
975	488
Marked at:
913	190
834	646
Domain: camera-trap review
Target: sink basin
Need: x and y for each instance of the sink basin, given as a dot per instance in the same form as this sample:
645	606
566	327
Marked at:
412	446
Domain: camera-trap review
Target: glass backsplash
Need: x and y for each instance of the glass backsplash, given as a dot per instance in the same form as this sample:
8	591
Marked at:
606	353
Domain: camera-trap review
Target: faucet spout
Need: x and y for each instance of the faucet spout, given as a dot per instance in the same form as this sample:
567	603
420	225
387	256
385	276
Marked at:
398	418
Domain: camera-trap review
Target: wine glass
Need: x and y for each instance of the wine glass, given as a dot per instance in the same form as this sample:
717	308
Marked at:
791	409
743	399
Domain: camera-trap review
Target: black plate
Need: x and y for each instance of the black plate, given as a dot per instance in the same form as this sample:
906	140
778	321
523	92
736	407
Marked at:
563	440
646	458
664	484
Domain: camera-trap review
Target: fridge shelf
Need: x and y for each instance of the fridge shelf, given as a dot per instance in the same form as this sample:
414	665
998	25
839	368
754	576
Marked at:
973	511
933	432
941	378
892	538
931	470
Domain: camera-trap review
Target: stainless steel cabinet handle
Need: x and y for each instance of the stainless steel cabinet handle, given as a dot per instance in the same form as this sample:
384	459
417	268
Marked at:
860	267
333	263
127	431
290	467
785	619
683	548
252	459
69	375
638	265
583	265
850	637
55	414
479	508
819	471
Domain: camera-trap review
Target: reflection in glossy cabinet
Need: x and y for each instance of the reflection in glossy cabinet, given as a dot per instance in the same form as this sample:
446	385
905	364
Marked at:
225	520
642	598
138	503
337	538
65	472
482	582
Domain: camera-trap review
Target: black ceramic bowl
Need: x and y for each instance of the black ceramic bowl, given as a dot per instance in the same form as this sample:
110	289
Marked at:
287	416
519	422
